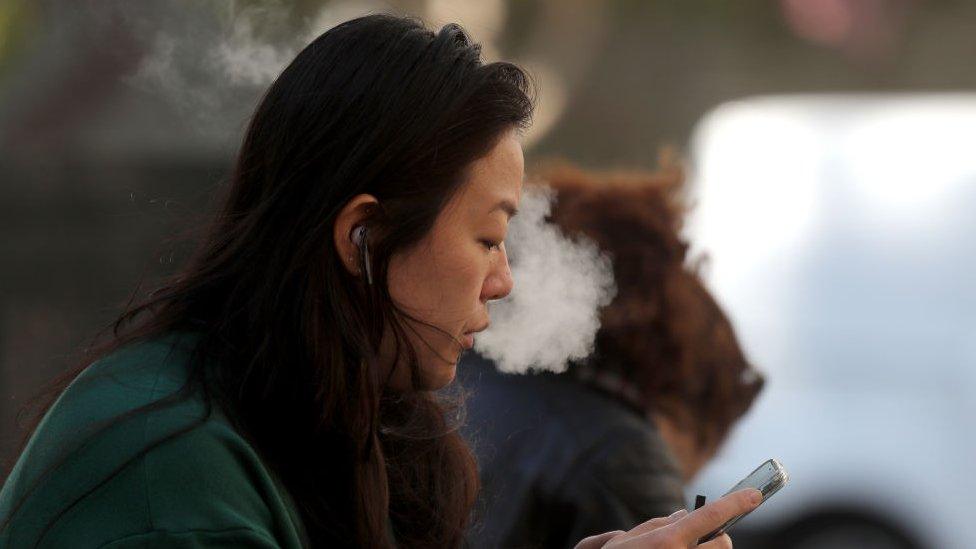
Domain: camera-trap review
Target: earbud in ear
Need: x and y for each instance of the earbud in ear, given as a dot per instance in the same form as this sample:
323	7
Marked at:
358	235
359	239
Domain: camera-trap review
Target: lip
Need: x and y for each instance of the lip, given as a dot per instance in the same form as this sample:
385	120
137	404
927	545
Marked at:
467	338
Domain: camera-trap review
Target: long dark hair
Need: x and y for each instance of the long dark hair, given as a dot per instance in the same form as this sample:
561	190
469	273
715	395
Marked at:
377	105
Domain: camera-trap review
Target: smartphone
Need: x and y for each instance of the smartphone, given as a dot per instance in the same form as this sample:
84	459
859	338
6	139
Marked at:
768	478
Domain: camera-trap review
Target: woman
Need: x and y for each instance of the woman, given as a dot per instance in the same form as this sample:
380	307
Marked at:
277	393
615	438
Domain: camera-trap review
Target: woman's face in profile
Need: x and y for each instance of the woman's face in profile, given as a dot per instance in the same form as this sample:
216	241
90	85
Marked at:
447	279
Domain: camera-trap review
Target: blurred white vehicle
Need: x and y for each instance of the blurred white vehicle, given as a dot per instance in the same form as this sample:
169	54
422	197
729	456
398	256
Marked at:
841	234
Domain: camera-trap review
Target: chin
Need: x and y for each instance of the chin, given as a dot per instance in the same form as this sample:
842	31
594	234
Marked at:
437	373
440	377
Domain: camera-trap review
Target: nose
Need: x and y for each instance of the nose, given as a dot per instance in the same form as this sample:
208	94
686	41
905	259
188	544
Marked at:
499	282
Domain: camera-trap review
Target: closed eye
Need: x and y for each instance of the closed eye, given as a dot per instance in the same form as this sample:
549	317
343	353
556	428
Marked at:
491	245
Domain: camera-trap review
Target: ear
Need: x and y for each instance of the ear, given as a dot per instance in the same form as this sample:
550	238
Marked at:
352	215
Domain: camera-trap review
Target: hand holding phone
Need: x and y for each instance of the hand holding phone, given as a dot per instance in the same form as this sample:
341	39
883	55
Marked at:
681	529
768	478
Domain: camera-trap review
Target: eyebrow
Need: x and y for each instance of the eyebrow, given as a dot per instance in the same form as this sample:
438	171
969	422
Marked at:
506	206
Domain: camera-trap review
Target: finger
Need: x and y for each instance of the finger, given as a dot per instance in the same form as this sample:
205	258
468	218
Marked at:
721	542
595	542
658	522
706	519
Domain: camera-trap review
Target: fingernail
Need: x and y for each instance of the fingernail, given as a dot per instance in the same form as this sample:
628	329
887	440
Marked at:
678	514
756	497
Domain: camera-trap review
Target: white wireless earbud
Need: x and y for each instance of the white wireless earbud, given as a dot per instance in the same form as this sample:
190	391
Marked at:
360	240
359	235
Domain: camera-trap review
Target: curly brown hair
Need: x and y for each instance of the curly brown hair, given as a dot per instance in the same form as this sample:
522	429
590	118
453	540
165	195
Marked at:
664	334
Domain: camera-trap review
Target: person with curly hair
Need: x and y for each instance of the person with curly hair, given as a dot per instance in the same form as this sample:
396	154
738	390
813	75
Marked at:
614	439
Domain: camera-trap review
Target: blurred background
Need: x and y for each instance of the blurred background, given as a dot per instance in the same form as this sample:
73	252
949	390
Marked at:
830	149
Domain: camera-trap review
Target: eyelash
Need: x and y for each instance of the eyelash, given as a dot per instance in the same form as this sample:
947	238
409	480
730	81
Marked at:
491	245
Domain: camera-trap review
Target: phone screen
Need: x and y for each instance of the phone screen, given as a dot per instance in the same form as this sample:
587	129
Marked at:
768	478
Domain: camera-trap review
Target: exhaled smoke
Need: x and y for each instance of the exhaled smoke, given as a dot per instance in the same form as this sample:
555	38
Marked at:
211	60
561	283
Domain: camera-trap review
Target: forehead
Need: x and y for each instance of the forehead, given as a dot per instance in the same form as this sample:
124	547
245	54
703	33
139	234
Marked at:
496	176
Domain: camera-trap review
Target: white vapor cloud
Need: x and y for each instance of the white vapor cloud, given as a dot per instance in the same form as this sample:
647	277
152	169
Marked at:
210	60
552	315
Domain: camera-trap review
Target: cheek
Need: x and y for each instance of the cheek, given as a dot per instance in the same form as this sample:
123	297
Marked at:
458	277
437	282
470	277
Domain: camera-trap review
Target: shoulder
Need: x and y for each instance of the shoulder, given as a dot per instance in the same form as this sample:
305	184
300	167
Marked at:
212	477
119	456
626	468
559	459
126	380
96	415
505	408
553	427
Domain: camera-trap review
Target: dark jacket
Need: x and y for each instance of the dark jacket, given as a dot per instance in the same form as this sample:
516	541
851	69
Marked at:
559	460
